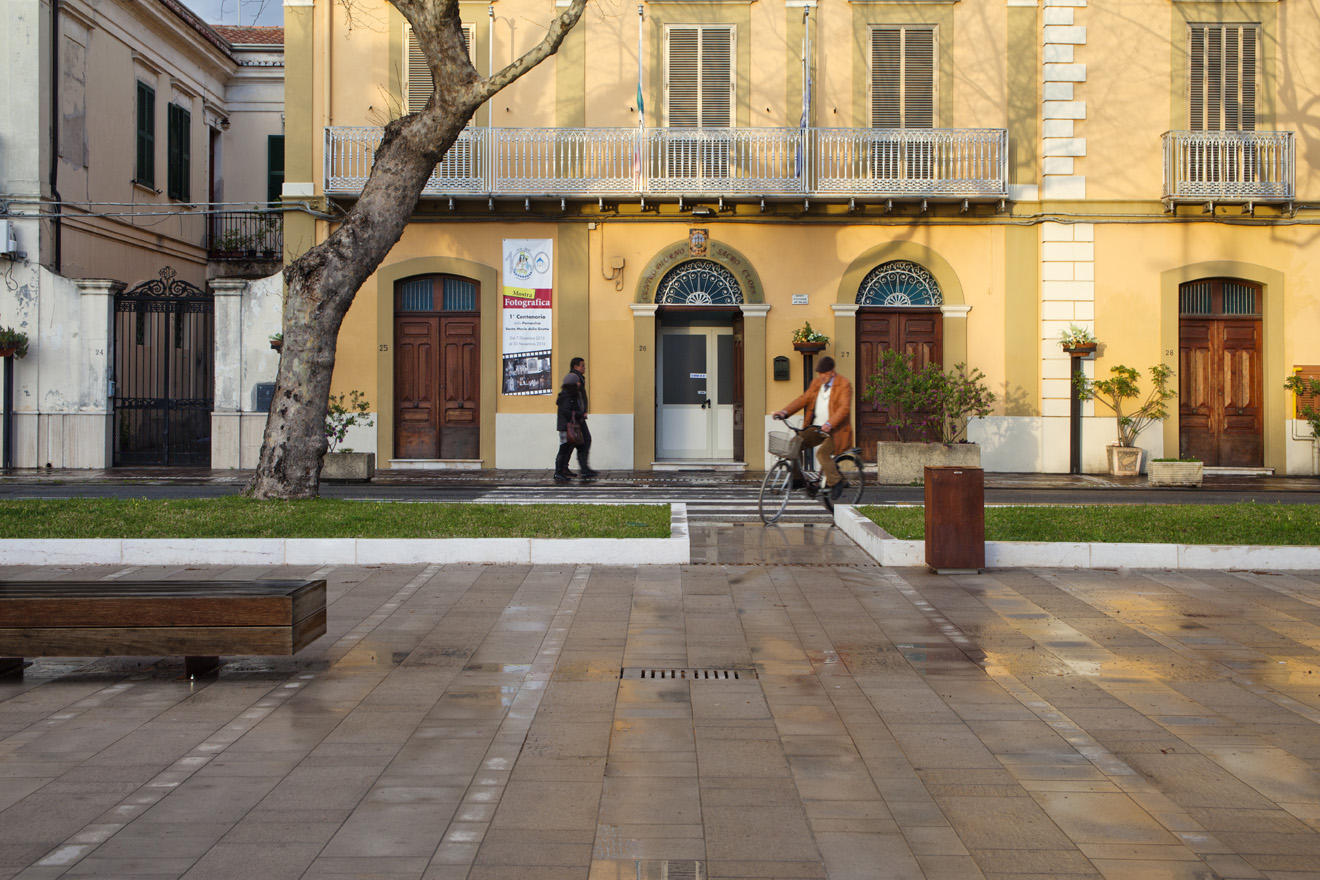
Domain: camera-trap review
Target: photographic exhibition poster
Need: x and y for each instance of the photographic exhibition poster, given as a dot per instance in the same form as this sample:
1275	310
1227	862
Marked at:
528	315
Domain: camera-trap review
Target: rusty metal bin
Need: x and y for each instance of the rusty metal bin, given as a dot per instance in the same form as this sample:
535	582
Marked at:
955	518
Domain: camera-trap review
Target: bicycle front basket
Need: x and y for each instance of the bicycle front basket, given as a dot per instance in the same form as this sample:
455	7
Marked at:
781	444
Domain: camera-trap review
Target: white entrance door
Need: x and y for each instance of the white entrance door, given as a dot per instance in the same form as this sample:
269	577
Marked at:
694	413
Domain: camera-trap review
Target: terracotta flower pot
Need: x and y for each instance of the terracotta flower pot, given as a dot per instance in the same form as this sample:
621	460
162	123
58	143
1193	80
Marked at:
1082	348
277	344
809	347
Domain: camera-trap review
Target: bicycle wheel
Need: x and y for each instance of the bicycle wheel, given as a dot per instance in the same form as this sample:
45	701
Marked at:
850	468
775	489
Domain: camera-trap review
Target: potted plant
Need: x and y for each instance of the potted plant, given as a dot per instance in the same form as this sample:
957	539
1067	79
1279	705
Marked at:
1307	392
1078	340
346	411
808	340
1175	472
1118	392
277	340
930	409
13	343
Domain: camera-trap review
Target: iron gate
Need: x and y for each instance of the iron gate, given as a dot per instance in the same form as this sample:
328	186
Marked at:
164	379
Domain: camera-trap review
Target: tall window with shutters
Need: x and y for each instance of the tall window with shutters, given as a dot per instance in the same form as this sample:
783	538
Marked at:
178	170
144	170
418	84
1221	86
903	95
699	94
1221	77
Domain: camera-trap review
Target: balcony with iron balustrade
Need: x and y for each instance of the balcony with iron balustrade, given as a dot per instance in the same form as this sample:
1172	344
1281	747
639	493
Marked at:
1235	167
874	164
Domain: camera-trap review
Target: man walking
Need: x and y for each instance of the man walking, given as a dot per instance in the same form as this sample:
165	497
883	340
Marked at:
577	371
827	413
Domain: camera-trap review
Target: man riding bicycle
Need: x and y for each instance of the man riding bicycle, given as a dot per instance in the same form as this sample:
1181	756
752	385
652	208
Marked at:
830	395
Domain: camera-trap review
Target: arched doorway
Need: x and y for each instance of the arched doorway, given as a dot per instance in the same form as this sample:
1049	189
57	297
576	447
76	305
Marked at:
437	368
699	363
1220	384
898	308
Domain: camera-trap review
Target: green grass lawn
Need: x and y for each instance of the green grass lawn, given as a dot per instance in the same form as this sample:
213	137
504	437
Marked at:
236	517
1245	523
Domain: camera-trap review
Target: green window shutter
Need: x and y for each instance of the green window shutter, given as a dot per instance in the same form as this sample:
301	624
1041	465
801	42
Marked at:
144	171
179	151
274	167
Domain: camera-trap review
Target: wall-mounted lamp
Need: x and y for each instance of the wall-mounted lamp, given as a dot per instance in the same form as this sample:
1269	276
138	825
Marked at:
703	211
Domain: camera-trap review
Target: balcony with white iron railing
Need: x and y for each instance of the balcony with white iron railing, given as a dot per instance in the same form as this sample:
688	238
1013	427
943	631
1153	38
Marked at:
1229	166
750	162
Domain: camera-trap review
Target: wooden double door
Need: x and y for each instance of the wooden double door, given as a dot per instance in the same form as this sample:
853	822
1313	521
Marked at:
1221	390
918	332
437	373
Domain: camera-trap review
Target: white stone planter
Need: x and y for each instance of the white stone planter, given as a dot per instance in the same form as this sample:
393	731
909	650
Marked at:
1124	461
901	464
348	466
1175	473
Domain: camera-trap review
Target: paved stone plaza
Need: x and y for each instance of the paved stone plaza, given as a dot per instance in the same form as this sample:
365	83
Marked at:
470	722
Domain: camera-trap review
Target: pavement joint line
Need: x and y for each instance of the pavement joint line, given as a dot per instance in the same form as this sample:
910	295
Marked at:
1123	775
83	842
507	742
1282	700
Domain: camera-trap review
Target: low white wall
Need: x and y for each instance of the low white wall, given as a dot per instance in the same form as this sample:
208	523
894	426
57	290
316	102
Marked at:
1299	455
530	441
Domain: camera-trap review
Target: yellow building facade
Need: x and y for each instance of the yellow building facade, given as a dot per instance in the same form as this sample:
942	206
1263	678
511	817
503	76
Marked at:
961	180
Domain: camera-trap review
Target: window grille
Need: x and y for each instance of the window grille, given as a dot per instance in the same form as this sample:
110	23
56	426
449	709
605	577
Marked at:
899	283
699	283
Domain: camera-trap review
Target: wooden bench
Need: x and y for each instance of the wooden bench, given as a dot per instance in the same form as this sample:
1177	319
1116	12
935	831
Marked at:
200	620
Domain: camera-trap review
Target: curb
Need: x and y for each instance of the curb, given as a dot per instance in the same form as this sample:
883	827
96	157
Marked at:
674	550
888	550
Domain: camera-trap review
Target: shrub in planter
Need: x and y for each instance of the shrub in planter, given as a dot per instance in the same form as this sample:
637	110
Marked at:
1308	400
927	401
14	340
1119	393
345	411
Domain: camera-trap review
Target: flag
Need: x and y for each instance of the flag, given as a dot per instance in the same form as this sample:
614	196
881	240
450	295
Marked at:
641	130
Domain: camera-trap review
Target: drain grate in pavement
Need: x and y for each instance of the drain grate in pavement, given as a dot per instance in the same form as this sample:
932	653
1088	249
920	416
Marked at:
634	673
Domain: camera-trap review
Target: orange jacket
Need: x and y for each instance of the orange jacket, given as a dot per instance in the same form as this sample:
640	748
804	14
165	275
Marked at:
840	415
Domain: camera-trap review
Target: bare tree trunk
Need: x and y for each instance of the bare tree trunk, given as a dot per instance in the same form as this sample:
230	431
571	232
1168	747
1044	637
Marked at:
322	283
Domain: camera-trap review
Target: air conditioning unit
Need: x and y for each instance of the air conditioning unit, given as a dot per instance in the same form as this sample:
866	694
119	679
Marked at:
8	243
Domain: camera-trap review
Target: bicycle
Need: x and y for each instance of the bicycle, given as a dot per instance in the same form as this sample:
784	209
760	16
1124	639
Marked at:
778	482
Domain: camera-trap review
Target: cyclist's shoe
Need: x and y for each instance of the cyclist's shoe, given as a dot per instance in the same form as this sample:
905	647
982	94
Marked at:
837	490
563	477
812	489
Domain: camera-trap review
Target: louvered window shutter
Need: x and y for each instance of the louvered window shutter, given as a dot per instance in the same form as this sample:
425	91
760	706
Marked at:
1221	77
178	124
716	79
903	77
699	77
145	170
420	85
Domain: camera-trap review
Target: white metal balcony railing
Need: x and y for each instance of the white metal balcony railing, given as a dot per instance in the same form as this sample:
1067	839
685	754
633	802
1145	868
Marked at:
1229	165
875	163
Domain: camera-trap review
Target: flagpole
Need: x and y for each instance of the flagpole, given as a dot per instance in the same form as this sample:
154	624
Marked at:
641	105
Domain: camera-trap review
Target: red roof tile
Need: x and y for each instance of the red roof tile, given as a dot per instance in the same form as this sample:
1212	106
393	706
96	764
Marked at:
251	36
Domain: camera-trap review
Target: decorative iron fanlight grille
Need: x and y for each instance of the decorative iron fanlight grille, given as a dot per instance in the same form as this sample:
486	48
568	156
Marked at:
899	283
699	283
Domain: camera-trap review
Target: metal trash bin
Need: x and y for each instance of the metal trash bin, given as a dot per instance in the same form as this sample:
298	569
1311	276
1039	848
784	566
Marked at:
955	519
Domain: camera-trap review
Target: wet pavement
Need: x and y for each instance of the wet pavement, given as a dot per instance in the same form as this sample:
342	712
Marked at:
539	723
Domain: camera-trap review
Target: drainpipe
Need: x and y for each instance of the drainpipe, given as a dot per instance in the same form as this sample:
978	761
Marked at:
56	259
